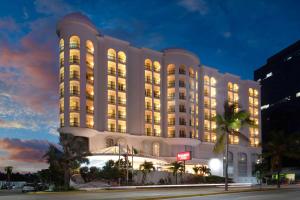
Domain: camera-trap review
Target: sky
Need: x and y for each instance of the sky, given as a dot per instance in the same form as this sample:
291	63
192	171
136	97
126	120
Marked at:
235	36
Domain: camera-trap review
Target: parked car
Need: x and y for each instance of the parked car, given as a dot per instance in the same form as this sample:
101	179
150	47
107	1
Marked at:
7	187
28	187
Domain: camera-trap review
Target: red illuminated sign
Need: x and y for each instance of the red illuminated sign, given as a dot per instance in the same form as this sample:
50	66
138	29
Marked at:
183	156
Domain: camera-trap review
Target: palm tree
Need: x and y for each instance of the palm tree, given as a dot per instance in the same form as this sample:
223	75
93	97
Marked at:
146	168
176	167
205	170
196	169
8	171
279	146
229	124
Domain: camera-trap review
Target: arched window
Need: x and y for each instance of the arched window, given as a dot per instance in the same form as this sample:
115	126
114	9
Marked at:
110	142
111	54
191	72
61	44
74	42
213	81
155	149
250	92
235	87
156	66
171	69
121	57
182	69
242	164
230	86
148	64
206	80
89	46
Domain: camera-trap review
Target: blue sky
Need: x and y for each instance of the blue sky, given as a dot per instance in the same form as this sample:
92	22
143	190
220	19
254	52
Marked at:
235	36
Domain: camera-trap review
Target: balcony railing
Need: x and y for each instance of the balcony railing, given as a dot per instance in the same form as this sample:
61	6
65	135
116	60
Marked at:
171	110
148	94
74	76
74	108
89	50
112	115
89	96
111	58
74	61
122	116
182	97
148	120
171	123
74	124
156	108
74	45
89	64
172	97
156	69
61	48
121	74
111	101
121	130
182	123
156	81
148	107
111	86
121	102
156	122
171	72
61	63
111	72
183	110
157	96
181	71
171	84
112	129
148	80
148	67
61	94
89	110
74	92
120	60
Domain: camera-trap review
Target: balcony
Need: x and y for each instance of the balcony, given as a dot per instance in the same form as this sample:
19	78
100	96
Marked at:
74	76
112	129
171	97
89	125
74	124
61	94
61	79
74	93
148	107
74	109
61	48
182	110
171	72
156	95
148	80
148	120
111	101
182	97
74	45
61	63
74	61
61	110
121	102
156	108
148	67
89	65
171	123
149	133
156	81
121	130
171	109
90	79
181	84
121	116
111	115
121	74
89	96
156	122
111	58
148	94
111	86
111	72
122	61
89	50
89	110
182	122
121	88
171	84
171	134
182	71
156	69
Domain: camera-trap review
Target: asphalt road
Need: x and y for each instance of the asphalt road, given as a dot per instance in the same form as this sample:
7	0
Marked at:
282	194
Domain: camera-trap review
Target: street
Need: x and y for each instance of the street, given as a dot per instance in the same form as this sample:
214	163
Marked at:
193	193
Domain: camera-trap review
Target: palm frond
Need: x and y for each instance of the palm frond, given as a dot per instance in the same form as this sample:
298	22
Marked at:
220	143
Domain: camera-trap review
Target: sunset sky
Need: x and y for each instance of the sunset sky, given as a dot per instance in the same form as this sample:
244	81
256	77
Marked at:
234	36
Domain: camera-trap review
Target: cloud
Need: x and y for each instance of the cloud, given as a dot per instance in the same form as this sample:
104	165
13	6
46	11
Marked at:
24	150
11	124
56	7
8	24
199	6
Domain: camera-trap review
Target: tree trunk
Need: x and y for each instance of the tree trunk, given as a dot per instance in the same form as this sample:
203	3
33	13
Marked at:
66	177
278	179
176	178
226	164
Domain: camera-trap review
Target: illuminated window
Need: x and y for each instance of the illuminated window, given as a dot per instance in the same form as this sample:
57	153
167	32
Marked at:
210	105
74	42
89	84
111	54
61	44
254	116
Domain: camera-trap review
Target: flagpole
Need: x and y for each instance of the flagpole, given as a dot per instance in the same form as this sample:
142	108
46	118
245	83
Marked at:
132	152
127	166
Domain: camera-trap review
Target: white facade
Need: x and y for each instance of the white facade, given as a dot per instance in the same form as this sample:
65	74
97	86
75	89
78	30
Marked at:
160	103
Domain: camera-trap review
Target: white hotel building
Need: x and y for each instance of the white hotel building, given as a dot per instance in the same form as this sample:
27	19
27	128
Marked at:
159	102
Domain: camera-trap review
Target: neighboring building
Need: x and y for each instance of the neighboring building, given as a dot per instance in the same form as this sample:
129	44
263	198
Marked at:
280	92
160	103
